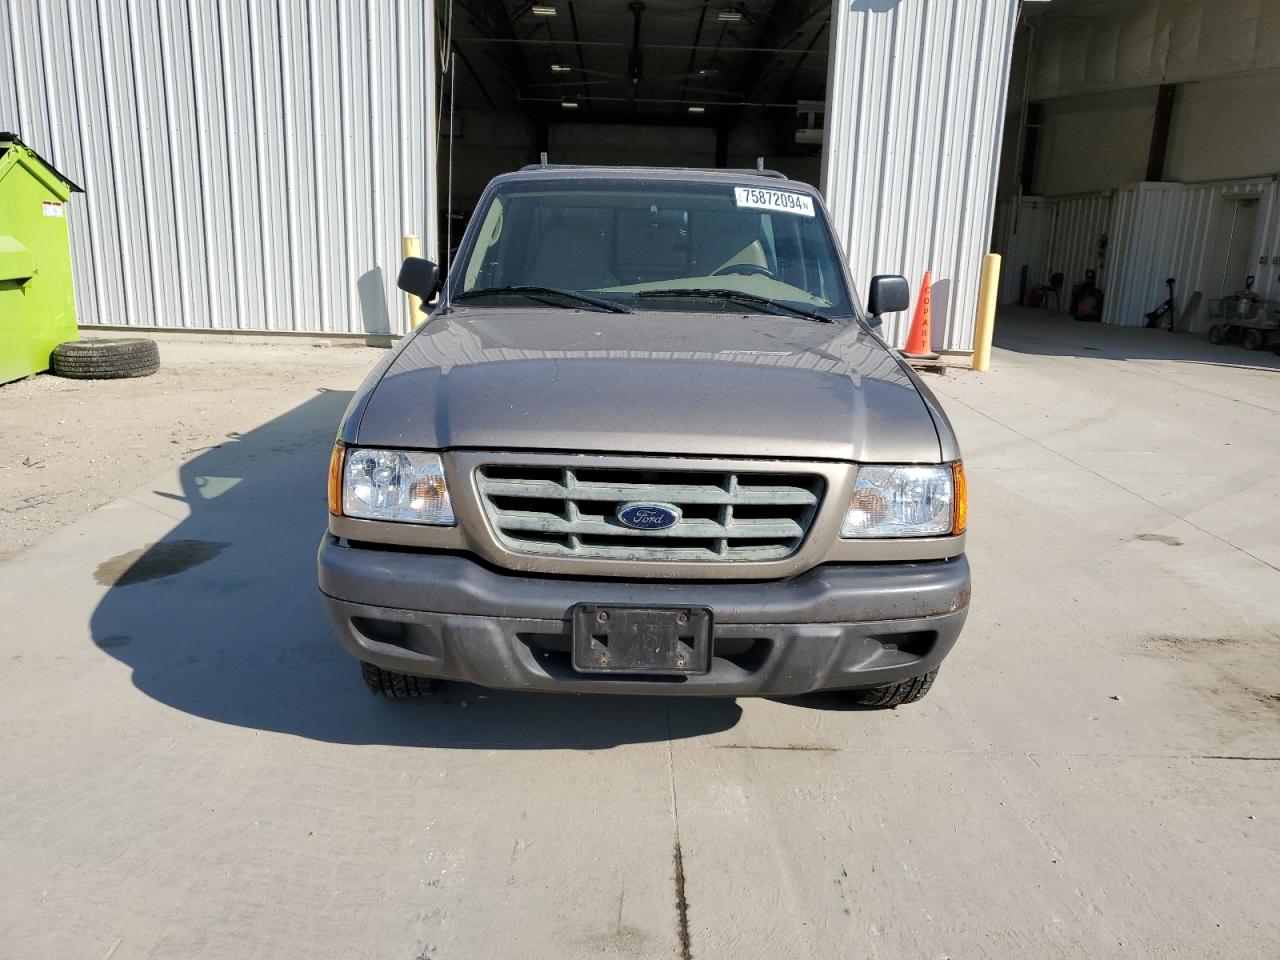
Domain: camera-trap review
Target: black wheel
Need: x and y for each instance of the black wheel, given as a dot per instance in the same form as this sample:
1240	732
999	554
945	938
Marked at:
105	359
1217	334
1252	338
396	686
895	694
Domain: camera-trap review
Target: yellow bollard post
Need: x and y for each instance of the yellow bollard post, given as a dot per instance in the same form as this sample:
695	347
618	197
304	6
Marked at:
411	246
988	292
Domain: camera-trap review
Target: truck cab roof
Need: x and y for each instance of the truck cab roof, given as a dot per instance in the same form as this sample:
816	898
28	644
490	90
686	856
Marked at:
740	176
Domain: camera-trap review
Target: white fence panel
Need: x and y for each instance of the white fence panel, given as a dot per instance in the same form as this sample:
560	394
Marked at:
246	165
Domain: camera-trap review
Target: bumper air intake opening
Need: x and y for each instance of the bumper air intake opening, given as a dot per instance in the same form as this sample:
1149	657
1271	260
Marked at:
407	636
745	653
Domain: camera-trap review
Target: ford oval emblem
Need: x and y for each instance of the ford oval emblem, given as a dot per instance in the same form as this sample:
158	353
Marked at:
648	516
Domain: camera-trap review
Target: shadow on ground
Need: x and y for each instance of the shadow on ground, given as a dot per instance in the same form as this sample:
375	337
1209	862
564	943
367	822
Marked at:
1046	333
221	619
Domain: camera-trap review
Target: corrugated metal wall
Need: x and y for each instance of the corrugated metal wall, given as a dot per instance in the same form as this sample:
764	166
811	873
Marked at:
247	165
1162	230
1022	234
915	105
1078	224
1154	231
1050	235
1267	243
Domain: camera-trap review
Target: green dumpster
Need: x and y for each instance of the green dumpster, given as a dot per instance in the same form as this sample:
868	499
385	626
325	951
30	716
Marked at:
37	305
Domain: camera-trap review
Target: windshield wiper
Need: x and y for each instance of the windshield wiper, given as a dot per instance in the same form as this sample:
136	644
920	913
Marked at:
737	296
535	292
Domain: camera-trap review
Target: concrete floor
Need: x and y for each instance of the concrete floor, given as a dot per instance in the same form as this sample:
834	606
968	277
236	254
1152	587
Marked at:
190	768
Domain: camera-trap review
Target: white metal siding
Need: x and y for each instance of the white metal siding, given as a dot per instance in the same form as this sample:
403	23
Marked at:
1267	244
1022	234
915	105
1051	235
1162	230
247	165
1078	224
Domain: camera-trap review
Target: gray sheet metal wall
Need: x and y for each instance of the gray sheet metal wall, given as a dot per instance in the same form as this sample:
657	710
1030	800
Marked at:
1078	226
1162	230
1051	235
247	165
1154	231
915	105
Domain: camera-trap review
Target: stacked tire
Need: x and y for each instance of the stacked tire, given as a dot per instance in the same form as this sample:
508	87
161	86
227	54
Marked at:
106	359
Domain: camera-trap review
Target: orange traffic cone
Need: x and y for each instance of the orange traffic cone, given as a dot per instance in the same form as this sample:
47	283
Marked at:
918	342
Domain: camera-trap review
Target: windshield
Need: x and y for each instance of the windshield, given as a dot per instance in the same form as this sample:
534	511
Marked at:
625	240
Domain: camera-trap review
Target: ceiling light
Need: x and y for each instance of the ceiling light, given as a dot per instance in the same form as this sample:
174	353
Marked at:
569	104
697	109
560	68
542	10
729	16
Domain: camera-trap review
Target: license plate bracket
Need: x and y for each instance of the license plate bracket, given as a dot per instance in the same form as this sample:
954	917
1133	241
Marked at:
659	640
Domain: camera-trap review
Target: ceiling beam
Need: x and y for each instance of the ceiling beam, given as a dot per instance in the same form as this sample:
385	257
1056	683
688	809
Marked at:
784	92
693	54
670	101
536	41
582	62
782	27
491	20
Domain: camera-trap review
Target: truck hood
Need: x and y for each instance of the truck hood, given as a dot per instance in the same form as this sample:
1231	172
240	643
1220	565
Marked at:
698	384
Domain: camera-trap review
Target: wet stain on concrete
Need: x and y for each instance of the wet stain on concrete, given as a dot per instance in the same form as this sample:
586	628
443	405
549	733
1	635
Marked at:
110	643
1159	538
156	561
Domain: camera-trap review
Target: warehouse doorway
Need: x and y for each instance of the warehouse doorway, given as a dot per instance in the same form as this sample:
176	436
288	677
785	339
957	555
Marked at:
698	83
1230	261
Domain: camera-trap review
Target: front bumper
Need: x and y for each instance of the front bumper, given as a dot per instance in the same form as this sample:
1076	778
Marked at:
837	626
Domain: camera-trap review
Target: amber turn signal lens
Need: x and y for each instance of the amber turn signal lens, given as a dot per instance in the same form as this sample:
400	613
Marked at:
335	480
961	489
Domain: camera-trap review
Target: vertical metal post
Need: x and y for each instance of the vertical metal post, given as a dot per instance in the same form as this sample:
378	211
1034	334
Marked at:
1160	131
988	291
411	246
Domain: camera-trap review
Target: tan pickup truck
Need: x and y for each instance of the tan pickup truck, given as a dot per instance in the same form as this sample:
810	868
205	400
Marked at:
647	442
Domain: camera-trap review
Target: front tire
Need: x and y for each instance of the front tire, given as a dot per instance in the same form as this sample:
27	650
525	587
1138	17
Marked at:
396	686
896	694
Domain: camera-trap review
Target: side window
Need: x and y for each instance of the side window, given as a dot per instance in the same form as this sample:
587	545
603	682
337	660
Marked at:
819	270
483	262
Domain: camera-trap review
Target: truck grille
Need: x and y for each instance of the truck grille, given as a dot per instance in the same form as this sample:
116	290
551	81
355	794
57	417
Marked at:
724	516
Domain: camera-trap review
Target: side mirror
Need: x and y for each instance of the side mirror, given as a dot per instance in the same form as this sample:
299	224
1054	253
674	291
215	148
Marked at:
888	294
419	277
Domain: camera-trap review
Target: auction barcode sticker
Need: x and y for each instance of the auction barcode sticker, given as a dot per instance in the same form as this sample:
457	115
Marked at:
779	200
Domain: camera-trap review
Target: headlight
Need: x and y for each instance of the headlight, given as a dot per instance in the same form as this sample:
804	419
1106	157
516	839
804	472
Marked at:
906	502
394	485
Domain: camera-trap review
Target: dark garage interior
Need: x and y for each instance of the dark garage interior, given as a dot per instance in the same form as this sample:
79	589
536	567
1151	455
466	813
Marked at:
663	82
